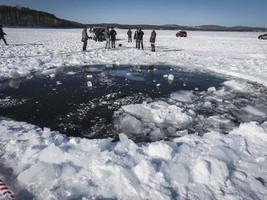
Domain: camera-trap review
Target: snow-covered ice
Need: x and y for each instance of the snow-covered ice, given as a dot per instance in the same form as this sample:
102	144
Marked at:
41	164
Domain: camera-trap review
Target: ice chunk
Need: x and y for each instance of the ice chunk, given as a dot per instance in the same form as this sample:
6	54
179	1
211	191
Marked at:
130	125
160	150
144	171
89	76
207	169
40	173
255	110
156	135
252	131
89	84
170	77
179	173
47	72
52	75
14	74
159	113
71	73
52	154
126	145
224	154
181	133
14	83
264	126
183	96
207	104
68	170
211	89
240	86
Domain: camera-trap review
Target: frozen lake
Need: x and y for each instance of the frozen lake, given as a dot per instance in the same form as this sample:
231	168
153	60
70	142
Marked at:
87	101
47	76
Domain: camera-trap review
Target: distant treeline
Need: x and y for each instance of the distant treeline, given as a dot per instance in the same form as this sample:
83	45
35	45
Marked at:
24	17
178	27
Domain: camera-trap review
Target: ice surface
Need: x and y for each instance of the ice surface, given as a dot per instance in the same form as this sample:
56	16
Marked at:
99	168
49	165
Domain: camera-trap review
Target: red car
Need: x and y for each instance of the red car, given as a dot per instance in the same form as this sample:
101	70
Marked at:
181	34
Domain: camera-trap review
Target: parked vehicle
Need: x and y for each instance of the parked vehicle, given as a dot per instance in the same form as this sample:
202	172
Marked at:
181	34
263	37
99	33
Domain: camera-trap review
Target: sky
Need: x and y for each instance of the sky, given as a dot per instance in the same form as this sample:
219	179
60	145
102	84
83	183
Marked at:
156	12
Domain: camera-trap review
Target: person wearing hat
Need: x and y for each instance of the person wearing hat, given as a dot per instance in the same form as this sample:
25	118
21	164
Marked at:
2	34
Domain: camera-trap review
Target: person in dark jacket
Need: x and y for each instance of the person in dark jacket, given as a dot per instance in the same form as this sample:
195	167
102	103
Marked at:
84	38
153	40
2	34
140	35
113	34
129	33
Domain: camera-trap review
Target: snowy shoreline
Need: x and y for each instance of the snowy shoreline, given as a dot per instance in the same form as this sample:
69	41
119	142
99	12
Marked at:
41	164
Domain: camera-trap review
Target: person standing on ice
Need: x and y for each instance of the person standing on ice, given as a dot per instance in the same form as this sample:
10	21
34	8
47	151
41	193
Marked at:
113	34
135	37
2	34
129	33
140	35
153	40
107	37
84	38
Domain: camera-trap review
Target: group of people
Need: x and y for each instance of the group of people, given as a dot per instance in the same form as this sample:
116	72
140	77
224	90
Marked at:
2	34
138	37
110	36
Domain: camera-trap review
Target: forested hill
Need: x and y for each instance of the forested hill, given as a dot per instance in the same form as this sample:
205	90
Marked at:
25	17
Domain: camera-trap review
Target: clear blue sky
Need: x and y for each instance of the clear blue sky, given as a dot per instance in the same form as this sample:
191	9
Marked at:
158	12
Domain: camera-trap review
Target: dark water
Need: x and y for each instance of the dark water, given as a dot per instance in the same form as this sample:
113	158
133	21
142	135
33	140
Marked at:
64	101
